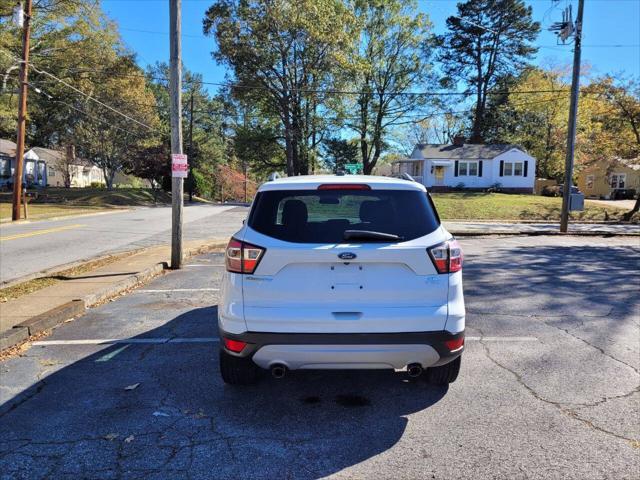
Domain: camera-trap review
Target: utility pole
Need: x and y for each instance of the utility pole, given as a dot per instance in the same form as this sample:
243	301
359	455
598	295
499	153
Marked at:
191	179
175	92
22	112
573	118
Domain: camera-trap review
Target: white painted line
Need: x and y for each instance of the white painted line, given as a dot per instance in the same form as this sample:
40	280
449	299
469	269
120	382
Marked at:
195	340
205	265
109	356
169	290
501	339
99	341
162	340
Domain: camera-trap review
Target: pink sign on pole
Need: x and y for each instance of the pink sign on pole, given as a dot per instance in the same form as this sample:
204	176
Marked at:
179	165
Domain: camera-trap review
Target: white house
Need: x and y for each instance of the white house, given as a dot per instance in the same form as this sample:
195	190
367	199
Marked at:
470	166
46	167
81	173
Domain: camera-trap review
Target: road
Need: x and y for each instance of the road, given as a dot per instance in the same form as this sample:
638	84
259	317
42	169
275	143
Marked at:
549	386
32	247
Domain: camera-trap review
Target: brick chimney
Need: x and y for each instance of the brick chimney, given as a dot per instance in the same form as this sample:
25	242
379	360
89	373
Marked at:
458	140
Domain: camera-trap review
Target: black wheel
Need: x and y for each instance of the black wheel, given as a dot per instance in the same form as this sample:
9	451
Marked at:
444	374
238	370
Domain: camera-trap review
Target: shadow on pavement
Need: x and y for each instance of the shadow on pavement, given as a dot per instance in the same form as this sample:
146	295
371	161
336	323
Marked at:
182	421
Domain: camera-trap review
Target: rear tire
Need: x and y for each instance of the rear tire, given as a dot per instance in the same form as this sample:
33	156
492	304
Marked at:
444	374
238	370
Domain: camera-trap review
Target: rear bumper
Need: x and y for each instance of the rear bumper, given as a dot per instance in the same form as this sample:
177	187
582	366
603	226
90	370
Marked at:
346	350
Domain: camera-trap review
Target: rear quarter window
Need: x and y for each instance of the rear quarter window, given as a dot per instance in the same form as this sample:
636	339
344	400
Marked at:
312	216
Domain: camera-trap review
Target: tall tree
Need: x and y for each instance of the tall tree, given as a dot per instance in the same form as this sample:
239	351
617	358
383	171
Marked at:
286	51
394	48
486	40
338	152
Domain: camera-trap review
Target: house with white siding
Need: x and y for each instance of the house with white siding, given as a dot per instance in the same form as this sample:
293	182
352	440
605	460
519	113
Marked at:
442	167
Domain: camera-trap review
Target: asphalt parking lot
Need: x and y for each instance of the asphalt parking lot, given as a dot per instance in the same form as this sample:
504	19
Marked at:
549	386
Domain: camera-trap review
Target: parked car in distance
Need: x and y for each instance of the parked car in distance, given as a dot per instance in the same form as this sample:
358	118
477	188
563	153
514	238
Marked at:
342	272
623	194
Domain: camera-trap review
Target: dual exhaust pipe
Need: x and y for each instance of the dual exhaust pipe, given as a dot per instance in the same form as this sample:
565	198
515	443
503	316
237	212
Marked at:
279	370
414	370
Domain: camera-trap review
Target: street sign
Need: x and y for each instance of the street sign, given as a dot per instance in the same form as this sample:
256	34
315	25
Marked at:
179	165
353	168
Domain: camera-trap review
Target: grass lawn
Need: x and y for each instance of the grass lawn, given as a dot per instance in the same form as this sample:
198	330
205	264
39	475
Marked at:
41	211
56	202
501	206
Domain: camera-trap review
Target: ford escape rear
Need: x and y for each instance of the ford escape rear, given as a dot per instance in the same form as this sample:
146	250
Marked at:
342	272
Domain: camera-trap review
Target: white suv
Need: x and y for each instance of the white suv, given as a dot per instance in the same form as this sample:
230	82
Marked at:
341	272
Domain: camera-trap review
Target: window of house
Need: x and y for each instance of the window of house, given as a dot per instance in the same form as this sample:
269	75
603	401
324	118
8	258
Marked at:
508	169
468	169
590	179
513	169
618	180
5	168
51	172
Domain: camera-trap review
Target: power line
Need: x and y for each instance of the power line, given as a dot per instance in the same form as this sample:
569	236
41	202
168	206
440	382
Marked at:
68	85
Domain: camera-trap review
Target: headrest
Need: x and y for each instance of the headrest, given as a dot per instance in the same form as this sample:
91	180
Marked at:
294	212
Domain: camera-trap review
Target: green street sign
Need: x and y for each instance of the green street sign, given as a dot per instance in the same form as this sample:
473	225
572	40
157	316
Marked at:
353	168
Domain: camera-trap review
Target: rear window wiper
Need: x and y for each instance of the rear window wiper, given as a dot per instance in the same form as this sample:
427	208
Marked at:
369	235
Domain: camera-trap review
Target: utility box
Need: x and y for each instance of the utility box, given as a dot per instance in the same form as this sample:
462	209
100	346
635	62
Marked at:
576	202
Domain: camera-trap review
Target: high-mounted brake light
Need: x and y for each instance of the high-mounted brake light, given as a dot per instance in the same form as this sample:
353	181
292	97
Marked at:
344	186
447	257
242	257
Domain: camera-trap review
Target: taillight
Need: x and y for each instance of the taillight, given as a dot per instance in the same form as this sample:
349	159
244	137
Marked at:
235	346
455	344
242	257
447	257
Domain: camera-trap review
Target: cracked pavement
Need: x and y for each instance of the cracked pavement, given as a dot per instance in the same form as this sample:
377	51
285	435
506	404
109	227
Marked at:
564	404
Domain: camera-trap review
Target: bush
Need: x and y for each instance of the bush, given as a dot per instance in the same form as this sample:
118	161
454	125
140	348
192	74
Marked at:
551	191
96	185
495	188
459	186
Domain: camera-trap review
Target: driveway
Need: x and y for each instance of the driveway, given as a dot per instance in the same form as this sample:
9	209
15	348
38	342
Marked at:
549	385
626	204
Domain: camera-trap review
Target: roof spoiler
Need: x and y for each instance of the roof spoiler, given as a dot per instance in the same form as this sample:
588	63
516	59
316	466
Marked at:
273	176
408	177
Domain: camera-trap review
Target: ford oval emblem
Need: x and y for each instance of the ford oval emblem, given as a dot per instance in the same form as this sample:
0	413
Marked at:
347	256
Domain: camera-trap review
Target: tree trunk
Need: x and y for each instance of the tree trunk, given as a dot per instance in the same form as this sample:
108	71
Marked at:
627	216
108	177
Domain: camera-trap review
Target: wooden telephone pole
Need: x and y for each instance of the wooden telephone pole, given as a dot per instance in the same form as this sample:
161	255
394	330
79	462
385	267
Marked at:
573	120
175	92
22	112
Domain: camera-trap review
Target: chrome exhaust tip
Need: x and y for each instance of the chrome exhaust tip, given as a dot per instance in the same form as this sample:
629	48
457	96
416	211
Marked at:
414	370
278	370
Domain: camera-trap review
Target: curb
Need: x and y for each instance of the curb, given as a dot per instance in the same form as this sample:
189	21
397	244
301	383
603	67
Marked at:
52	318
541	233
64	217
66	266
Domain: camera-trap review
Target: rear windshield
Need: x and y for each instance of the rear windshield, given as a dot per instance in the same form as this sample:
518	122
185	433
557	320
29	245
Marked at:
312	216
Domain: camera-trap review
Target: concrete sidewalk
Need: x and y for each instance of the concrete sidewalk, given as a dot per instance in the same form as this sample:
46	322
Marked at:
540	228
45	308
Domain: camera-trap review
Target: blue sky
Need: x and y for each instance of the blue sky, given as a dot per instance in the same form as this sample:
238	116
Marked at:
144	25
